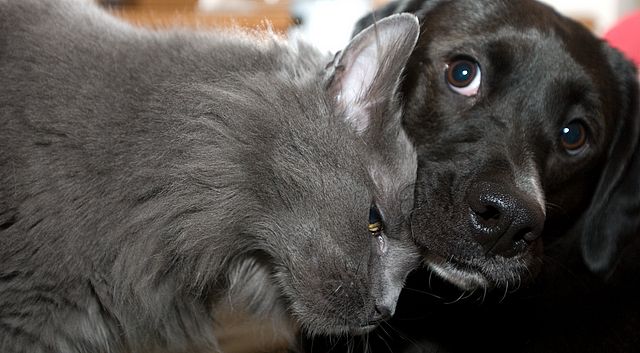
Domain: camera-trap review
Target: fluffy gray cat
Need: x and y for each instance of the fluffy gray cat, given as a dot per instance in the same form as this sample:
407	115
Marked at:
148	176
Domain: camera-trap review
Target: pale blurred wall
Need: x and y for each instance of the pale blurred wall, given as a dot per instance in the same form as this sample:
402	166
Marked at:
328	23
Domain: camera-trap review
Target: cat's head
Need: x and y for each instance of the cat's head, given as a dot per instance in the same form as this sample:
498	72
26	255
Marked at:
343	188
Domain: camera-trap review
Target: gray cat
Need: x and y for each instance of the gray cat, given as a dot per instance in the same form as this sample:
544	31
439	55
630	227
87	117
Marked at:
146	177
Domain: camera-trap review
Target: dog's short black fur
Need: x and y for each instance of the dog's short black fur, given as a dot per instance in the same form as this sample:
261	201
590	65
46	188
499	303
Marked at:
539	146
549	136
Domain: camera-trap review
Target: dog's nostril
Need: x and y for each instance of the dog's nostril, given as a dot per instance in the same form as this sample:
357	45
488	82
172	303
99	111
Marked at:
503	222
487	219
489	215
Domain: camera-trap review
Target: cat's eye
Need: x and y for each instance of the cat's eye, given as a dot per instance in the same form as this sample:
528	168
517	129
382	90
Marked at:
375	221
573	137
463	75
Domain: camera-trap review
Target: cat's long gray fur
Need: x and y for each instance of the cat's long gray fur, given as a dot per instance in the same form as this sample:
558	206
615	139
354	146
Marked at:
146	175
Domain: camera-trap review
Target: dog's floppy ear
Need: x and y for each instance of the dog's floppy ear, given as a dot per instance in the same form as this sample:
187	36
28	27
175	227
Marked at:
613	217
366	74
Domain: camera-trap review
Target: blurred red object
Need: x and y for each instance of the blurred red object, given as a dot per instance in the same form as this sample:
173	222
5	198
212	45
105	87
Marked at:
625	36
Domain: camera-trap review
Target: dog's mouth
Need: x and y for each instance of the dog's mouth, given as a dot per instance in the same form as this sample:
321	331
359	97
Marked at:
464	276
486	273
338	330
361	330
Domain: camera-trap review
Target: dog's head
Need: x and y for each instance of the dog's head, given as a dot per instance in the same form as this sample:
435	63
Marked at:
526	126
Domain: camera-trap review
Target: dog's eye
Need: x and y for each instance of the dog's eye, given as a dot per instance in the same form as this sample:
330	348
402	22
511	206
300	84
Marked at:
463	76
573	137
375	221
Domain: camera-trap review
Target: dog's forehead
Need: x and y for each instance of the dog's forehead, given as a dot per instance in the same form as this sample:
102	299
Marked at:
558	51
469	14
524	44
499	26
528	24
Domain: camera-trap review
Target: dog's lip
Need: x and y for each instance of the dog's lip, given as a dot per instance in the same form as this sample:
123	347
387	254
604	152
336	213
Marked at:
361	330
470	274
351	329
435	258
461	273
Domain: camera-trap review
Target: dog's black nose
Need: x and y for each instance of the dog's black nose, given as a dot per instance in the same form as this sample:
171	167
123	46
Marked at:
504	221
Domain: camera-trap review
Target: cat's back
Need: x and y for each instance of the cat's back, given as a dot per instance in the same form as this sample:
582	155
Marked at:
74	35
85	94
67	63
88	101
68	60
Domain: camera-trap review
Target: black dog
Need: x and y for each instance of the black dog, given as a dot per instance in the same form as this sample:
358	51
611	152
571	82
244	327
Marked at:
525	124
527	133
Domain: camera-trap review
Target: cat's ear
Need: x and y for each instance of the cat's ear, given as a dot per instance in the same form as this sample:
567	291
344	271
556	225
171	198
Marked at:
366	74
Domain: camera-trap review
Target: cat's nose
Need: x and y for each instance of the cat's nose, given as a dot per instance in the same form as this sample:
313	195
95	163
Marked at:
382	313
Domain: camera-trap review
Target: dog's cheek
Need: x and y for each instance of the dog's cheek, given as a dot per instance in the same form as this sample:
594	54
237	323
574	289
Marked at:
570	198
435	221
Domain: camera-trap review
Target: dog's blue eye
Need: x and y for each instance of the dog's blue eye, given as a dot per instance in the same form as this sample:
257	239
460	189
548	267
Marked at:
463	76
462	73
573	136
375	221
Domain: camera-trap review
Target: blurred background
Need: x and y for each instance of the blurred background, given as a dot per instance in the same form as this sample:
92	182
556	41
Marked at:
326	23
